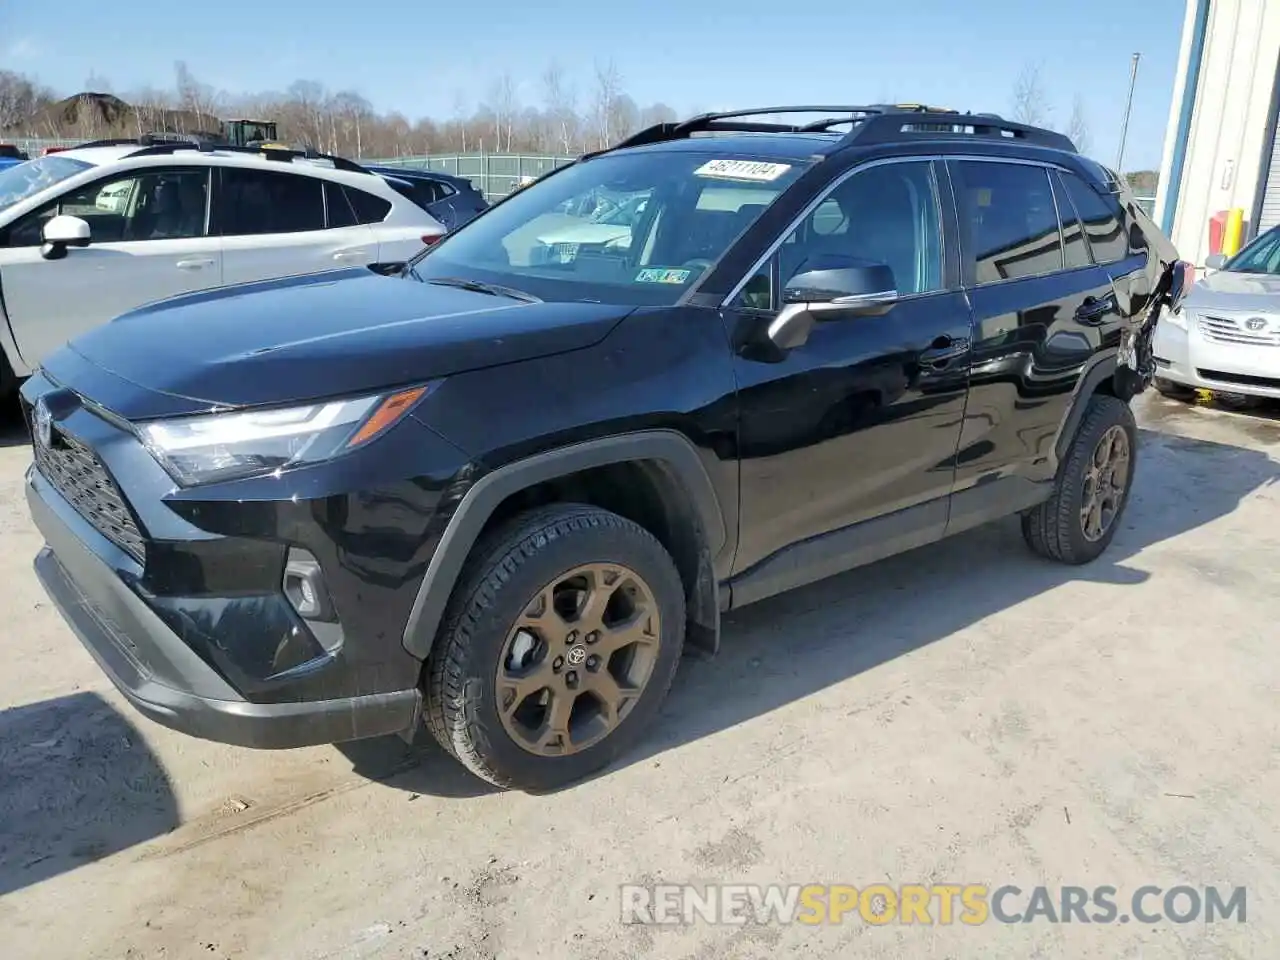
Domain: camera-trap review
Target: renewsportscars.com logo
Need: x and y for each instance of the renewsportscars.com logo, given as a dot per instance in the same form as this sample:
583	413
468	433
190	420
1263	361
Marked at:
938	903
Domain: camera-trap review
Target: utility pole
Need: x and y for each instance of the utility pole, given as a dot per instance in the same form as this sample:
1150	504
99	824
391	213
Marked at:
1128	107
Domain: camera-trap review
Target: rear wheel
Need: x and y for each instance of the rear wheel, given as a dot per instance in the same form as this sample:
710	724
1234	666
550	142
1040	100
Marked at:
1092	489
560	644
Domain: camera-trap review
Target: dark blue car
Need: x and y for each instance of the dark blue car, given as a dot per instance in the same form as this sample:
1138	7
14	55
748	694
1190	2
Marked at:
451	200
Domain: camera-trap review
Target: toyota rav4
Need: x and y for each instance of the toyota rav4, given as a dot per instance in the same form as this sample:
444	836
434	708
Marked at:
497	493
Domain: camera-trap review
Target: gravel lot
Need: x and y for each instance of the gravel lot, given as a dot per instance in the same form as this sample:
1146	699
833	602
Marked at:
962	714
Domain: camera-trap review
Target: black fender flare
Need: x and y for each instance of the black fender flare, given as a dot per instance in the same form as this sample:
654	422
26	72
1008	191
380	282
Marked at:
672	449
1101	370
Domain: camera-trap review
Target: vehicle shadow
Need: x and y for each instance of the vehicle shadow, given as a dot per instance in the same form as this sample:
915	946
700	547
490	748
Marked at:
786	648
77	783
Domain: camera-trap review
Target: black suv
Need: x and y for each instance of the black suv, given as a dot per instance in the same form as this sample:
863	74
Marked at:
501	490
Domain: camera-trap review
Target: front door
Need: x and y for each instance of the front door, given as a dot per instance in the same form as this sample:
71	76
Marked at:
861	422
147	241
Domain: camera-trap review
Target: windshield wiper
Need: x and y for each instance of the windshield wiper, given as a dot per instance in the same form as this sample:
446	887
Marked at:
479	286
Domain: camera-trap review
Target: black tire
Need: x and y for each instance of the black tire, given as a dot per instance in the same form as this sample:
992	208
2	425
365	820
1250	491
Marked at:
1055	529
505	571
1174	391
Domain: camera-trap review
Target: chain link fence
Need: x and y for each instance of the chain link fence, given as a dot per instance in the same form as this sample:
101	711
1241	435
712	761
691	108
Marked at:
495	175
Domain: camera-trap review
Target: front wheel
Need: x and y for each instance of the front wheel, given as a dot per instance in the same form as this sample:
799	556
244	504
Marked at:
559	646
1080	519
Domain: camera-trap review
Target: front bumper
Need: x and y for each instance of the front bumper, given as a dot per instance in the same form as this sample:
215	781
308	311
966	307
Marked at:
160	674
1190	358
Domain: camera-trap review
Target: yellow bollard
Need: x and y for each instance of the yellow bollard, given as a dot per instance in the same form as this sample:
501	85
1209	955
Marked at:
1232	231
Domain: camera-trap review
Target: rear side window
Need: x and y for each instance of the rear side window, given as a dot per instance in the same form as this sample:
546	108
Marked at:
368	208
259	201
339	208
1076	251
1103	219
1008	218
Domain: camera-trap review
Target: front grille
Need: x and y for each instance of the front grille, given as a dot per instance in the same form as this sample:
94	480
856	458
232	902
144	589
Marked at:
81	478
1228	330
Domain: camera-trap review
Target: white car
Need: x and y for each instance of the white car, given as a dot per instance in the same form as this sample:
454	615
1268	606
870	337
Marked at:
88	234
1226	337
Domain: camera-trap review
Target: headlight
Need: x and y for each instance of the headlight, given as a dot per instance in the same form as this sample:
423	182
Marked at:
244	443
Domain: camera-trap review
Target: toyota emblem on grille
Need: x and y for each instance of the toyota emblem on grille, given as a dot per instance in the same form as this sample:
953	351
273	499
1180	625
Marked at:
1256	323
43	423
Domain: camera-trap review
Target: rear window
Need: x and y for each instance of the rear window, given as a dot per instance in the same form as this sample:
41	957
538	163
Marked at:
1103	219
630	228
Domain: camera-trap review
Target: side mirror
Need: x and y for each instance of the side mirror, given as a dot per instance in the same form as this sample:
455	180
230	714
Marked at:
831	288
1215	261
63	232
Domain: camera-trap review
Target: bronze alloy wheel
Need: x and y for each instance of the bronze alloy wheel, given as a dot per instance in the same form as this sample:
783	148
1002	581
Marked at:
577	659
1105	482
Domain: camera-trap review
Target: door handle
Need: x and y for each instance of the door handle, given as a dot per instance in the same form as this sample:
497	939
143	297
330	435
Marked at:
1095	309
943	350
351	255
198	264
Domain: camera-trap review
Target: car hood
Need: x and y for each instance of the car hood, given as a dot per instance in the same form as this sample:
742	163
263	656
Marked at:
301	338
1225	290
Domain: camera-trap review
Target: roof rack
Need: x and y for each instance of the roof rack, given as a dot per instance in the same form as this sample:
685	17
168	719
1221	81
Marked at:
159	144
873	123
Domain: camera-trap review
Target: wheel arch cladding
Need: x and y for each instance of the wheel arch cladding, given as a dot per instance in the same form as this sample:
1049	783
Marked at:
1099	378
653	477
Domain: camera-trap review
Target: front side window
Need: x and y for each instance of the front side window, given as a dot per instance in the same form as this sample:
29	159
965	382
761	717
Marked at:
634	228
252	202
885	214
25	180
1008	217
155	205
1102	218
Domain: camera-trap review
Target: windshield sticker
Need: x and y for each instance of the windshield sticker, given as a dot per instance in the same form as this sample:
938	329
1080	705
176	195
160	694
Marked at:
754	170
662	275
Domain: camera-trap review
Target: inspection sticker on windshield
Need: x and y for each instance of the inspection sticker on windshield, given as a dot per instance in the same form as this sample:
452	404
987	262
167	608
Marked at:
756	170
662	275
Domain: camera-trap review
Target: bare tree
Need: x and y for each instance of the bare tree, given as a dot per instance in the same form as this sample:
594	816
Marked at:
608	87
351	111
1078	126
505	104
1030	99
561	107
194	97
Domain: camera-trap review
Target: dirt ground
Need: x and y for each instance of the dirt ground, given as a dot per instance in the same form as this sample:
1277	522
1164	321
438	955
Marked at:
964	713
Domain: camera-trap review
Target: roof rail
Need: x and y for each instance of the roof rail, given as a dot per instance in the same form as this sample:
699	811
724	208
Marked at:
871	123
271	153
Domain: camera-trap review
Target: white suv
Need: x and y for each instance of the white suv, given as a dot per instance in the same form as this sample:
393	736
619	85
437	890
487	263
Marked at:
91	233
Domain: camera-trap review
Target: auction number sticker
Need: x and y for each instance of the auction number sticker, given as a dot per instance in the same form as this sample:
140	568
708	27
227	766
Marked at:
754	170
662	275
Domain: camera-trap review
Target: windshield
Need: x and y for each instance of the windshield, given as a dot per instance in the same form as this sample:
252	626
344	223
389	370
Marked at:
1261	256
29	178
629	228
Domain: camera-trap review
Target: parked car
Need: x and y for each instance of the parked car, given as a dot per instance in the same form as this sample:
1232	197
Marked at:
10	156
502	496
451	200
91	233
1226	337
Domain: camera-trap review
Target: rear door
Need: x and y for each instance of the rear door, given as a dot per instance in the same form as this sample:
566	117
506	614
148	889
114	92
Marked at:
148	240
277	224
1042	311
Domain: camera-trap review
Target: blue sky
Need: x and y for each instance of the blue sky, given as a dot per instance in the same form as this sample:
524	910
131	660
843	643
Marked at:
418	57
